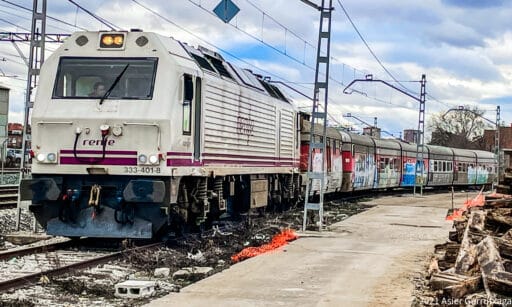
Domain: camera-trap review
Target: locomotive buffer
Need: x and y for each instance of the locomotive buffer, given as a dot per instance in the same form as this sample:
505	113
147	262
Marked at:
316	169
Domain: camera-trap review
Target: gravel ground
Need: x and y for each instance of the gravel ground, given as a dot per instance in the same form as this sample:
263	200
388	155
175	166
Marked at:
212	248
8	224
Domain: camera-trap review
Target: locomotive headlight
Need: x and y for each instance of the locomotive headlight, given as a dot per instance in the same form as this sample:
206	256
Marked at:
118	40
153	159
143	159
107	40
40	157
112	41
51	157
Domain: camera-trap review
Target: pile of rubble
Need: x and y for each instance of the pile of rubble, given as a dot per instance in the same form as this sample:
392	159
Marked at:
474	268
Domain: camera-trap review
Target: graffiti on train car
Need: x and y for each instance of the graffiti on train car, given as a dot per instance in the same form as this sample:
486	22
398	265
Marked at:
409	173
388	176
471	174
365	170
482	175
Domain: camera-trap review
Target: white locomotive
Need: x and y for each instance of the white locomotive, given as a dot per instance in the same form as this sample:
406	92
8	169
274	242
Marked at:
134	130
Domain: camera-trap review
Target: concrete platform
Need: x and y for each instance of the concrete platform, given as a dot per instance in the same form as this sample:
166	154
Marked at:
366	260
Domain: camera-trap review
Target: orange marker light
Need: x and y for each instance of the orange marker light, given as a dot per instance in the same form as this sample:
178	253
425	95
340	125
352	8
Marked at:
112	41
107	40
118	39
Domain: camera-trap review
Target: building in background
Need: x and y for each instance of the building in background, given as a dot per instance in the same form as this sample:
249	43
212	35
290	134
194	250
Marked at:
505	144
411	135
15	132
372	131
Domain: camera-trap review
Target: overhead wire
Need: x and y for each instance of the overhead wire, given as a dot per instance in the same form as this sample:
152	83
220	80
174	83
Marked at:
47	16
380	62
294	59
238	58
112	26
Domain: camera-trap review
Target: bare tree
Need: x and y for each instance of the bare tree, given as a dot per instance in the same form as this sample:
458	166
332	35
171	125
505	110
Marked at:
460	128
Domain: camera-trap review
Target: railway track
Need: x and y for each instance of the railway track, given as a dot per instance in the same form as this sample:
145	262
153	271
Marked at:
8	196
55	258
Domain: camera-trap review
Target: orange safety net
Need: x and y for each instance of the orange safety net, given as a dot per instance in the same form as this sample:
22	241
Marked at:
277	241
478	201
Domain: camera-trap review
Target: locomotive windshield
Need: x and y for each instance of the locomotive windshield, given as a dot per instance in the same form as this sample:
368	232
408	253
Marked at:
79	78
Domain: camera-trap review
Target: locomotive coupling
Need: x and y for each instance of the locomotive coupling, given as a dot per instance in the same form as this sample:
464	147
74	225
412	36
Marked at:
94	197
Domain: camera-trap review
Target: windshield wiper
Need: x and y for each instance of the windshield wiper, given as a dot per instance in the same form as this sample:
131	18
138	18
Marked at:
116	81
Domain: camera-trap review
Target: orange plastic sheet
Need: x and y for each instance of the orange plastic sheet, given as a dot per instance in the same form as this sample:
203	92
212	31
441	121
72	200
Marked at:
478	201
277	241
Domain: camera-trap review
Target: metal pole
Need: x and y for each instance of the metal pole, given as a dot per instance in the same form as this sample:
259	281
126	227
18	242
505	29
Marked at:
497	146
3	160
420	148
36	59
319	113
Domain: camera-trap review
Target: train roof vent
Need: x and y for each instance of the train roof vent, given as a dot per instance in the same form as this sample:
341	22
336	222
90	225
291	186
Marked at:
247	77
197	56
219	65
210	53
202	62
273	90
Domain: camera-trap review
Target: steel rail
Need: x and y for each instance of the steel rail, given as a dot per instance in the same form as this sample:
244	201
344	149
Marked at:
33	278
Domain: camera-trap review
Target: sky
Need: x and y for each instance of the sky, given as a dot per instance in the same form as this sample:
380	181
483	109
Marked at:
462	46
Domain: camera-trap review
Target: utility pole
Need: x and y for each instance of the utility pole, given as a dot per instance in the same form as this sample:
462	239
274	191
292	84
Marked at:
35	60
317	145
420	148
497	146
419	177
497	154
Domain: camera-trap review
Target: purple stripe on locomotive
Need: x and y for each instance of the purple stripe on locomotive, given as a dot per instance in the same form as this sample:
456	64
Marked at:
99	152
94	160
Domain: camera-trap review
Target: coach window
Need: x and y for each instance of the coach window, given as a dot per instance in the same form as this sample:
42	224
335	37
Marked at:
188	94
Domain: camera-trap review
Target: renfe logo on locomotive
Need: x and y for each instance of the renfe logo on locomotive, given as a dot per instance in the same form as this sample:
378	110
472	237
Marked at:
97	142
245	125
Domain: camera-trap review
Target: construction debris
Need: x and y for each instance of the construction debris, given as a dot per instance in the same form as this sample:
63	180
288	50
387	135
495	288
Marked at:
474	268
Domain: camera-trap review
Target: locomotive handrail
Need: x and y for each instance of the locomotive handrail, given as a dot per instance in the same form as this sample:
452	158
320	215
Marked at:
158	136
54	123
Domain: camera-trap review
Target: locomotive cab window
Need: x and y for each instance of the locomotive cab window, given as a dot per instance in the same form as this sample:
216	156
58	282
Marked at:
127	78
188	95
